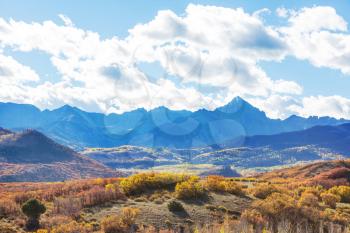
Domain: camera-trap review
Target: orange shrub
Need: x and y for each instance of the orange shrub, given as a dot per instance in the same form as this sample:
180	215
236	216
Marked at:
22	197
276	205
308	199
67	206
233	188
129	215
139	183
221	184
337	217
263	190
99	195
52	221
315	190
215	183
72	227
343	192
120	223
8	208
112	224
253	217
190	190
330	199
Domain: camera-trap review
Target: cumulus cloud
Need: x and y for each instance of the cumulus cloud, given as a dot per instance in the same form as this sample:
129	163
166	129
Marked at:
282	106
225	57
282	12
317	18
335	106
12	71
319	35
209	55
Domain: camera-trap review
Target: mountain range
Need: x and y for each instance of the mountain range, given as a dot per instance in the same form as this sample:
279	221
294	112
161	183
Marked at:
29	155
159	127
336	138
315	143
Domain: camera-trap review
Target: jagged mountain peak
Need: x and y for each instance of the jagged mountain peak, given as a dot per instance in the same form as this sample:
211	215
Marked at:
66	108
238	104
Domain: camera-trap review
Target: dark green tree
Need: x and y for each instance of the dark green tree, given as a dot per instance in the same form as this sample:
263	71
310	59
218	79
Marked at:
33	209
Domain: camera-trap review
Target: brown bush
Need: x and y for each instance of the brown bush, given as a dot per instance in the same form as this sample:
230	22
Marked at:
8	208
263	190
67	206
215	183
253	217
20	198
233	188
4	228
99	195
330	199
120	223
129	215
72	227
52	221
112	224
220	184
308	199
315	190
343	192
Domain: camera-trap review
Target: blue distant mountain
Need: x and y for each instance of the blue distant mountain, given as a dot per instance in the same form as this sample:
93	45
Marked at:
336	138
160	127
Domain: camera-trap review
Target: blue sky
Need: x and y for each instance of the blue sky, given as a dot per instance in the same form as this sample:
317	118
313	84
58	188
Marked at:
322	83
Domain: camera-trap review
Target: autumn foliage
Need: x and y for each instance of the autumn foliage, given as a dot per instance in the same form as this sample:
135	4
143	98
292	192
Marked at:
285	204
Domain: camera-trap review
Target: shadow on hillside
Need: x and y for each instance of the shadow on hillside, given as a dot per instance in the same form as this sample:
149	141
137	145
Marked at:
181	214
199	201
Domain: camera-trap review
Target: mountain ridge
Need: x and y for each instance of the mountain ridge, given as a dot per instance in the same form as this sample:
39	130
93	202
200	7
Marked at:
159	127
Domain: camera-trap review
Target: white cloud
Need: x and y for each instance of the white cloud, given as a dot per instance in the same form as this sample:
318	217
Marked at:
318	34
12	71
335	106
209	55
277	106
287	87
282	12
282	106
317	18
224	57
67	21
214	46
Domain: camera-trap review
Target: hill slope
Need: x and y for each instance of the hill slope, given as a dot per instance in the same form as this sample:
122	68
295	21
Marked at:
31	156
326	173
